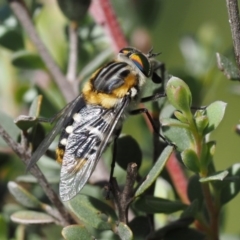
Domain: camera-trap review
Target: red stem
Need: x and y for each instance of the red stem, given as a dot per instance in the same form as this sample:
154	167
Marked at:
103	13
178	177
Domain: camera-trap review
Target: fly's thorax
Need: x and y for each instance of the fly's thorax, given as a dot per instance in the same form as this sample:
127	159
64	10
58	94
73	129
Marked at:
112	83
135	69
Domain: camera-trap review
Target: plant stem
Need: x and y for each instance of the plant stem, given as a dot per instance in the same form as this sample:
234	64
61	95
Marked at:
212	211
64	217
20	11
234	21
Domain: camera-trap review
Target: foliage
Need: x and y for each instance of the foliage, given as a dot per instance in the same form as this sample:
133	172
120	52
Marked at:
148	200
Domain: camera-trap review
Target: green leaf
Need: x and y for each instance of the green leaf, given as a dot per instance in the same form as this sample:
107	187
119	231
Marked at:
194	190
181	117
151	204
9	126
179	95
177	230
182	233
124	232
155	171
92	212
31	217
178	133
11	38
3	228
227	67
35	107
191	210
27	60
23	196
215	113
140	227
73	232
25	122
216	177
201	123
128	151
210	151
230	185
190	160
74	10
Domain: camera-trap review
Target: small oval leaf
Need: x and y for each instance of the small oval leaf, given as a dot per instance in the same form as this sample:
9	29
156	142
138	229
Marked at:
216	177
11	38
73	232
190	160
23	196
179	95
155	171
194	190
177	133
25	122
151	204
31	217
128	151
230	186
191	210
9	126
27	60
124	232
74	10
140	227
35	107
227	67
93	212
215	113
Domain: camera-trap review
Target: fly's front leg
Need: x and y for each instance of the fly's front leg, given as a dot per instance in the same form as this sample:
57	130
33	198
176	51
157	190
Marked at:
153	97
145	110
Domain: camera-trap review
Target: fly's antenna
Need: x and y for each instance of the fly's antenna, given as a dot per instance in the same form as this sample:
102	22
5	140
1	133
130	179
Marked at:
151	54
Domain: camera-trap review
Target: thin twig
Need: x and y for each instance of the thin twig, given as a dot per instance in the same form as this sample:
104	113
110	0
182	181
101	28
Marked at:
21	13
234	21
73	52
124	198
64	217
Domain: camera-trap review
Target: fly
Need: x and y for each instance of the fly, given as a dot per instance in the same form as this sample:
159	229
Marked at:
94	119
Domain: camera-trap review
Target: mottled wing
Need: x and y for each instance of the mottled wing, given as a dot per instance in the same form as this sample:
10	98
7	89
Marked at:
64	115
92	131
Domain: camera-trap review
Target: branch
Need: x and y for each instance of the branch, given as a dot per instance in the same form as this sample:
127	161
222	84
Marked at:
73	52
234	21
64	217
123	199
22	14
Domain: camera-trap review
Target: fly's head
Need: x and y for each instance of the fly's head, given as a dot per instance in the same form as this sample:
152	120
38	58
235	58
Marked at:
142	63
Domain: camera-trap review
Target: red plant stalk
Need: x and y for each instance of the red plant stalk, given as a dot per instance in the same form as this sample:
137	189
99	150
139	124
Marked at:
103	14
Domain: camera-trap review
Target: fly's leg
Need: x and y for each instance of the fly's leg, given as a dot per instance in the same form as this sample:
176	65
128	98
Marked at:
145	110
114	153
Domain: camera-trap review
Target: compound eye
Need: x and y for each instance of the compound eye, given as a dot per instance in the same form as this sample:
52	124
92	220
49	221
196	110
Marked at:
142	62
127	51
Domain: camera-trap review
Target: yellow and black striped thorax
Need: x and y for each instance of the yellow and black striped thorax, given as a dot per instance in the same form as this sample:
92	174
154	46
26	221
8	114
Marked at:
119	78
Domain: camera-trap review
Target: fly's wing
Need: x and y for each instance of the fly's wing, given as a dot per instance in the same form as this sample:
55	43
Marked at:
63	116
85	145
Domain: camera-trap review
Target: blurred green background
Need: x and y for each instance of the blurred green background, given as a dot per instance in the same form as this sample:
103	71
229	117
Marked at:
188	34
